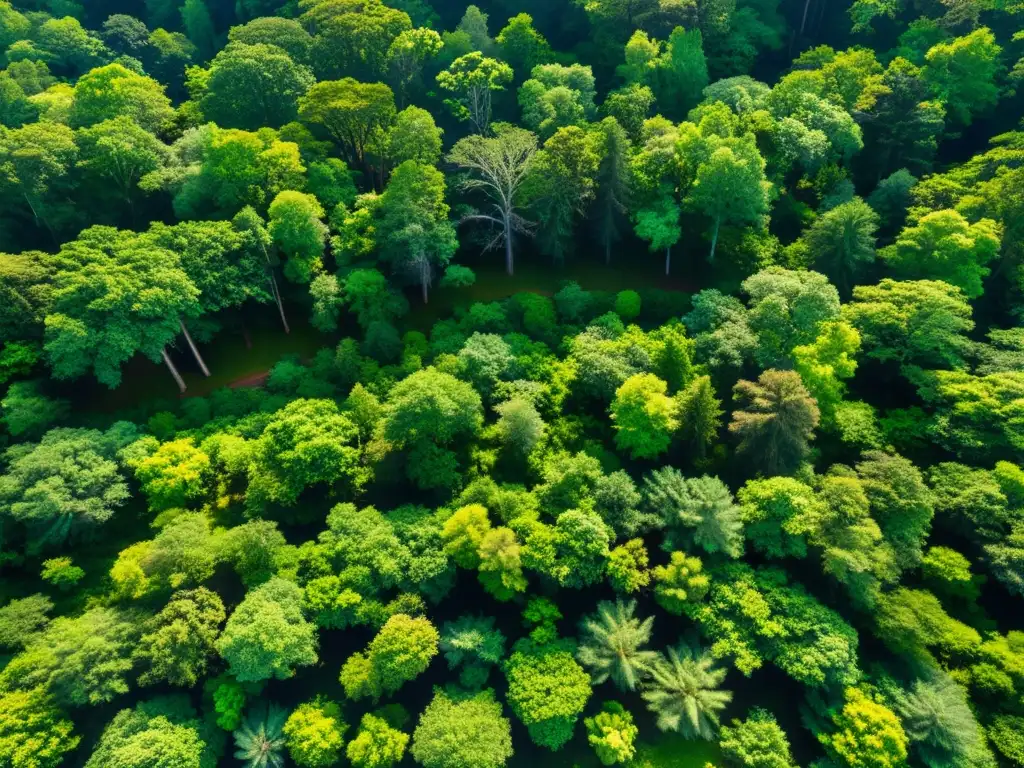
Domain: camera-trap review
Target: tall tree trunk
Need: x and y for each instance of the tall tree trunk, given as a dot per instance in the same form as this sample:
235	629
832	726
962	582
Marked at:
508	247
172	369
803	21
425	278
194	348
714	242
277	298
668	259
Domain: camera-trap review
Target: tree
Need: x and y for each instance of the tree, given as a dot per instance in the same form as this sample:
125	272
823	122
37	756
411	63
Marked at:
547	691
557	96
81	660
354	114
939	722
287	34
260	741
521	45
843	242
180	640
67	46
520	425
498	167
407	55
611	182
501	569
254	86
463	533
658	223
38	158
683	693
462	732
630	106
110	92
352	39
776	420
413	230
198	24
163	730
944	246
377	744
175	475
306	442
431	406
703	504
64	486
757	742
414	136
780	513
313	733
730	187
700	415
121	152
911	322
824	365
115	295
23	618
611	733
962	73
33	731
400	652
560	185
612	645
266	635
644	416
680	583
627	567
472	643
298	230
900	502
473	78
252	549
868	734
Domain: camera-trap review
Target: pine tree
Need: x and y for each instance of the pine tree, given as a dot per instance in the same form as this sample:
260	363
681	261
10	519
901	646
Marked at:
683	693
612	645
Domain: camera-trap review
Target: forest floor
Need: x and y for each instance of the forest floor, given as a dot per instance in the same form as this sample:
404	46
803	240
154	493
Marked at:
238	360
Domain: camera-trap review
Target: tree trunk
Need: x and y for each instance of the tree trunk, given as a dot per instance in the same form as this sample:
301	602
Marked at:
714	242
194	348
803	21
668	259
172	369
425	279
508	249
277	298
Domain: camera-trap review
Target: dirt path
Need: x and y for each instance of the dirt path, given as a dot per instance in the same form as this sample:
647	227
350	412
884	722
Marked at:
251	380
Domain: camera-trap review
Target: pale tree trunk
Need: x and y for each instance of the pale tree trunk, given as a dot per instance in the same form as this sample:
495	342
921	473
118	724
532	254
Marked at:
194	348
714	242
276	298
425	278
508	248
803	21
172	369
668	259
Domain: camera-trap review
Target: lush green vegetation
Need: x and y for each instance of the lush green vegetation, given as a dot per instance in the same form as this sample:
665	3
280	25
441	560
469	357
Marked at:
537	382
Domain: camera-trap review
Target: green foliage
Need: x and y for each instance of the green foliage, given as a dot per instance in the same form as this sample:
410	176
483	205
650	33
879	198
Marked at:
627	567
180	641
22	619
33	732
61	572
266	636
260	741
400	652
756	742
462	732
938	722
683	692
868	734
776	420
680	583
377	744
313	734
547	691
611	733
472	644
611	645
700	510
163	730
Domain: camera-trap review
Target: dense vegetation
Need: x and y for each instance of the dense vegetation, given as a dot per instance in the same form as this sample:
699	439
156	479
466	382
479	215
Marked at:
777	520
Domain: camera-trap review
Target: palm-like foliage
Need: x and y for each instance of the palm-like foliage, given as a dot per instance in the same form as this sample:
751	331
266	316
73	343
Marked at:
612	645
939	722
683	693
260	740
700	509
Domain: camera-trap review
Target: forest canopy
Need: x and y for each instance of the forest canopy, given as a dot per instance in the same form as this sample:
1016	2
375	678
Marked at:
529	383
